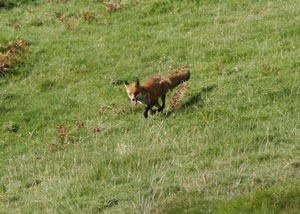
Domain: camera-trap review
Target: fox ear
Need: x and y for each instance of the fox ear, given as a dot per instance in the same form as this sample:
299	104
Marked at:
126	82
137	82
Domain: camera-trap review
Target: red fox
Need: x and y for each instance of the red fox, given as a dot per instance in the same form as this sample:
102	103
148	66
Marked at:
155	87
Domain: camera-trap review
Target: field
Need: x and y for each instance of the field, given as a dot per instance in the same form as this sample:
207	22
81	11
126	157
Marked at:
72	142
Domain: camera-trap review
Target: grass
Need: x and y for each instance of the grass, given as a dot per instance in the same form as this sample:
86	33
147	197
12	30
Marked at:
71	142
8	4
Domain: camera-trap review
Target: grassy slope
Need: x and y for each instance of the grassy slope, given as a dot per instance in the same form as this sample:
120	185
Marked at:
237	134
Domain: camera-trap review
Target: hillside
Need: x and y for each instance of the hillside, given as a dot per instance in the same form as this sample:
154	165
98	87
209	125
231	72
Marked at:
72	142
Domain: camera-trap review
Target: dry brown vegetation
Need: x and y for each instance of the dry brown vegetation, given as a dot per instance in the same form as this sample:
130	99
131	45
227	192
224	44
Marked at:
178	96
113	6
12	54
180	92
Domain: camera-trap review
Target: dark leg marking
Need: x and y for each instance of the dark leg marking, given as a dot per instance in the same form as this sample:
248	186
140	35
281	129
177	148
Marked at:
146	111
163	99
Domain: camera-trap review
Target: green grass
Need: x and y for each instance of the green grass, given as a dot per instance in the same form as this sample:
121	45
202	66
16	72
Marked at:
71	142
8	4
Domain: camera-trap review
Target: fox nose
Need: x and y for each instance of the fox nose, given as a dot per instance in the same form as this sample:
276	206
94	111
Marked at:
133	99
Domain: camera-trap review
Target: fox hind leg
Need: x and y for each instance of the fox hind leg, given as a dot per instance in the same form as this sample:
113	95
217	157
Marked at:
157	106
163	100
152	111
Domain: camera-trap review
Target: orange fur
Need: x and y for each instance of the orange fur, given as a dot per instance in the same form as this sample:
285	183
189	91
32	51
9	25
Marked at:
154	88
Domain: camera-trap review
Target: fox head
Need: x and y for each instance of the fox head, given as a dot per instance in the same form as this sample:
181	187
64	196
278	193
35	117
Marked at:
133	91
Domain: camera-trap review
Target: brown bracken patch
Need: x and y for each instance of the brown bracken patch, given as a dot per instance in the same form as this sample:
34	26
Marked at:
11	54
178	96
113	6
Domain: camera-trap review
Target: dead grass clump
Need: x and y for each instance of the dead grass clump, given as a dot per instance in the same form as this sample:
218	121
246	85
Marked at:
71	21
102	110
180	92
18	25
182	68
79	124
98	129
178	96
68	21
87	16
63	138
11	54
113	5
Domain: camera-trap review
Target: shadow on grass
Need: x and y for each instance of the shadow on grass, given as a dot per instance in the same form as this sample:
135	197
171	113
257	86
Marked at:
188	205
282	198
195	99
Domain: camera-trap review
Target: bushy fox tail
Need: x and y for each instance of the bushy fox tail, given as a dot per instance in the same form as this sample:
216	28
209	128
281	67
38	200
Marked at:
175	79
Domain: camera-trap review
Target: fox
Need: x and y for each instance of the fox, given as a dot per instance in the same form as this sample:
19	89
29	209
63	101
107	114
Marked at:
154	88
